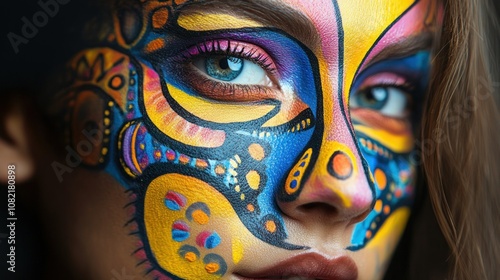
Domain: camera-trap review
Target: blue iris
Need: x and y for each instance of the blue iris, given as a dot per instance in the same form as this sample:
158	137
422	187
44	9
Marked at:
372	98
225	68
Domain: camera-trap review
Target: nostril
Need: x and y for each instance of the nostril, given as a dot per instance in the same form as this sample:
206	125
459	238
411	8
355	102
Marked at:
334	191
318	208
360	217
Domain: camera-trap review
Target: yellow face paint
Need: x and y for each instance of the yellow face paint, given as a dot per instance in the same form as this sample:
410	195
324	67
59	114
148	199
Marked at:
397	143
360	37
210	111
209	21
185	242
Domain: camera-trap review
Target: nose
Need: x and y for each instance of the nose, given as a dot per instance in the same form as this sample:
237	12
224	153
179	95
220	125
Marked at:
328	188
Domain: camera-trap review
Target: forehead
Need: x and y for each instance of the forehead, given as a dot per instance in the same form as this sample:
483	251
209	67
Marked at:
353	32
364	20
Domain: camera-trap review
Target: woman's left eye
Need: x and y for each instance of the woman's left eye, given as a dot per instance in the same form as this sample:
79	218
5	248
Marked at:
387	100
232	69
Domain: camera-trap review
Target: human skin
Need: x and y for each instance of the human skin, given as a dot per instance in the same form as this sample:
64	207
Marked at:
238	142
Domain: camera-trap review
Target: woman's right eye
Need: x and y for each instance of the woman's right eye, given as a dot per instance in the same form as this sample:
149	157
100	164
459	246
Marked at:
232	69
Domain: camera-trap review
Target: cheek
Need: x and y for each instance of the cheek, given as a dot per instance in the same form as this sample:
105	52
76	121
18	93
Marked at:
394	174
204	195
188	225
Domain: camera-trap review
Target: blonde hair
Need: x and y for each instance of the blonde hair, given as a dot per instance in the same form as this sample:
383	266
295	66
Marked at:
461	160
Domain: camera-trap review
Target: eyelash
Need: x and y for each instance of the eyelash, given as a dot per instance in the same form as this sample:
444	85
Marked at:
406	87
213	47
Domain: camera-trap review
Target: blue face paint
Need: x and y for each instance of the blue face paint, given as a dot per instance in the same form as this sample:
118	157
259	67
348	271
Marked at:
398	169
282	145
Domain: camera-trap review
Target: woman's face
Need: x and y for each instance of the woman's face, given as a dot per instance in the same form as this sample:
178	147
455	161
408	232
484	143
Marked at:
270	139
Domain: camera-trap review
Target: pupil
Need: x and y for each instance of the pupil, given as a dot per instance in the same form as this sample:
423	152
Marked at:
370	98
223	63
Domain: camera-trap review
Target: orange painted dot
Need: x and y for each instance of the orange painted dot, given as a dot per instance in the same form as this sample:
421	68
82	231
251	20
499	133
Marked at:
201	163
398	193
219	170
212	267
184	159
160	18
369	145
380	178
157	154
341	165
155	45
190	256
271	226
116	82
256	152
250	207
368	234
363	141
378	206
170	155
387	209
200	217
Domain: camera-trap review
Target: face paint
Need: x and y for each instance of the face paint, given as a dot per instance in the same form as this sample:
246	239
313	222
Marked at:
227	135
383	128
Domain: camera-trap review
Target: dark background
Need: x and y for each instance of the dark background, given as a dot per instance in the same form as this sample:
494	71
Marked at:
25	72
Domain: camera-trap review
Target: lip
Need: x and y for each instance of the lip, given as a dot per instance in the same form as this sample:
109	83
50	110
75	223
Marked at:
309	265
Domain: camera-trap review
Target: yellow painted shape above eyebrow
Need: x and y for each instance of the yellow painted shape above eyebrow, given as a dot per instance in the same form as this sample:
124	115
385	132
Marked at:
363	23
213	21
396	143
218	112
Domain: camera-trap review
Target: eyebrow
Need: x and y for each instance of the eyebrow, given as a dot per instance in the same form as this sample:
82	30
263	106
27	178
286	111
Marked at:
268	13
405	47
